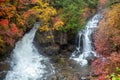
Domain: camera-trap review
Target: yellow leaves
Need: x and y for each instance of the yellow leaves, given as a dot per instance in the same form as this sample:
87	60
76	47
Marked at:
113	21
57	25
44	28
116	6
1	40
2	43
45	4
20	20
46	13
40	2
114	15
49	37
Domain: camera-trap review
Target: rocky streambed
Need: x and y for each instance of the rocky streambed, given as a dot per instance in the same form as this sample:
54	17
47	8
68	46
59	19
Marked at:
59	55
65	69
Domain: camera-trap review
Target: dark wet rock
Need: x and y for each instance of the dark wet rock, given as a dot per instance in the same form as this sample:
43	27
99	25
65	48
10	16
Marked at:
4	67
85	78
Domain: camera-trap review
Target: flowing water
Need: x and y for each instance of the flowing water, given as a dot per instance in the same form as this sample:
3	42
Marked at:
27	63
84	47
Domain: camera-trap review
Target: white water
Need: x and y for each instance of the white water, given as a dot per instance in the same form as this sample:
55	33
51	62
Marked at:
84	48
27	63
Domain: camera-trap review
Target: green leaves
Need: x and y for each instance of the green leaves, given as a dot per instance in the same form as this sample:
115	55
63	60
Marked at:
92	3
72	11
116	76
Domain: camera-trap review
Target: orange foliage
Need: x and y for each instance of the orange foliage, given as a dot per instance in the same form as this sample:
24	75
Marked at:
113	19
26	2
86	13
7	10
19	15
28	13
56	19
9	31
57	23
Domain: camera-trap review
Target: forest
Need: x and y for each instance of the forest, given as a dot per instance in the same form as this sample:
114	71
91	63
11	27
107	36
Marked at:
60	22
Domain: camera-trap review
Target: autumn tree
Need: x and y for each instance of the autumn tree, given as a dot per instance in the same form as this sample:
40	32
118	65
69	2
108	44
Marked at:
17	17
107	42
109	32
8	29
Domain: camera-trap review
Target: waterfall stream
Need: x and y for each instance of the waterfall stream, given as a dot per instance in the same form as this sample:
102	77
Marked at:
27	63
84	47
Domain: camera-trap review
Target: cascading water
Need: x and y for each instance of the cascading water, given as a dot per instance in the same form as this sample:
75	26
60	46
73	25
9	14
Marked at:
84	48
27	63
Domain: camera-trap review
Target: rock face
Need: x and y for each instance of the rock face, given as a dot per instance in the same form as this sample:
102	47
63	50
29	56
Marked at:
5	52
4	66
63	45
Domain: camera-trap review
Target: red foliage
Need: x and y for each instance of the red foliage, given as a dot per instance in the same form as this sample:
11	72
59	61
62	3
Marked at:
102	77
98	66
10	41
4	22
101	42
114	60
20	33
107	36
13	28
105	66
107	43
2	0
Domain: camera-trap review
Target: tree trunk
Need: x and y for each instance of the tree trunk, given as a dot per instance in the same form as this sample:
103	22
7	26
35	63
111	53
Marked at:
63	38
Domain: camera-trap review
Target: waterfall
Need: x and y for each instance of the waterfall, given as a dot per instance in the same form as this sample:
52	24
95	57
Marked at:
27	63
84	47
